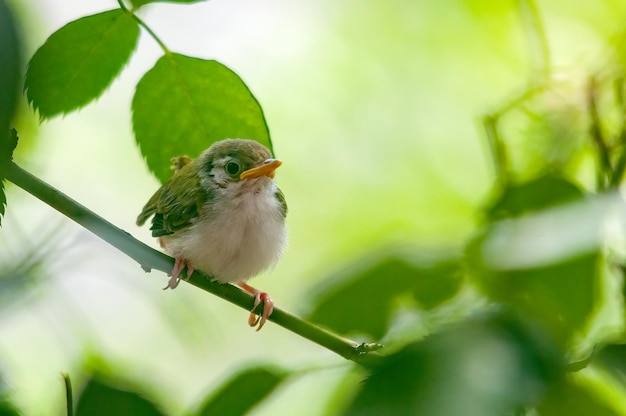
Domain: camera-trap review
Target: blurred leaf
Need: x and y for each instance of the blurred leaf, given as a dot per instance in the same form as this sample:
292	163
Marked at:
183	105
139	3
558	291
79	61
561	296
613	358
242	392
362	298
540	193
481	367
10	146
24	265
100	398
571	398
10	54
7	409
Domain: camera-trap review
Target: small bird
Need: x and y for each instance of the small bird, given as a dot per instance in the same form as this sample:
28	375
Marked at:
222	214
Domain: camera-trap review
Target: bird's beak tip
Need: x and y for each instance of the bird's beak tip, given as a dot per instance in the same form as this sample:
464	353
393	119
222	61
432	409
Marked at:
266	169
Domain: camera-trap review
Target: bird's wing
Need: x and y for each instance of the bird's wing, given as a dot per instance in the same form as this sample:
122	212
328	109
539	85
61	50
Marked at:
281	198
176	204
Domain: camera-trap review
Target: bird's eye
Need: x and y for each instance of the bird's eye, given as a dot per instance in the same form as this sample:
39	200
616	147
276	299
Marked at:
233	168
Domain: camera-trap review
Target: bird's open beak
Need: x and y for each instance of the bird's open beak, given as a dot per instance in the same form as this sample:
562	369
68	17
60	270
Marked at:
266	169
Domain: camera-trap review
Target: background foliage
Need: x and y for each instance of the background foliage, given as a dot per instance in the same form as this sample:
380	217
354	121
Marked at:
453	175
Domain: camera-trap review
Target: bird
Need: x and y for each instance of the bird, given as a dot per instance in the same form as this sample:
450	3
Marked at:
222	214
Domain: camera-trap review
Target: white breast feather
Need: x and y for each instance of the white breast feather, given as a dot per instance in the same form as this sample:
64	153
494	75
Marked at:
241	239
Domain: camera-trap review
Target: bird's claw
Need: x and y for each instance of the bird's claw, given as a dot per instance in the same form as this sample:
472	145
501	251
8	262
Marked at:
179	265
268	308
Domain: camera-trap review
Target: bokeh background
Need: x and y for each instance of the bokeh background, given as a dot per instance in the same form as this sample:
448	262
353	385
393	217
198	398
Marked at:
375	109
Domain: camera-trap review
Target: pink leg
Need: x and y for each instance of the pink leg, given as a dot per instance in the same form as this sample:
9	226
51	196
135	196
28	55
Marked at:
179	265
268	306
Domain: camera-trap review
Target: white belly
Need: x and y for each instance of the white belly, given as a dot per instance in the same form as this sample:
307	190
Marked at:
246	236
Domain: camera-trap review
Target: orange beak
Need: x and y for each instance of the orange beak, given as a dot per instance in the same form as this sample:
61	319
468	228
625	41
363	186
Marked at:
266	169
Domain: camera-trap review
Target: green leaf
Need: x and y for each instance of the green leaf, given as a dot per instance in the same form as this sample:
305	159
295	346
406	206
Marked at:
10	144
183	105
572	398
79	61
9	77
7	409
139	3
511	265
540	193
481	367
613	358
100	398
362	298
242	392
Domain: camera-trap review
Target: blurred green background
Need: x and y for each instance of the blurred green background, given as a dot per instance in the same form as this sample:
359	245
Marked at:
375	109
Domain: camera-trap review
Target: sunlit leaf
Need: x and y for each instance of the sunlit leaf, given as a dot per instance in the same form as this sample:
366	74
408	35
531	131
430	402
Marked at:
481	367
572	398
139	3
79	61
100	398
9	77
361	298
183	105
242	392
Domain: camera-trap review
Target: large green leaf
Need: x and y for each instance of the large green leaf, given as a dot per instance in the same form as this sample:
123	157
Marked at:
102	398
79	61
490	366
242	392
9	77
139	3
183	105
361	299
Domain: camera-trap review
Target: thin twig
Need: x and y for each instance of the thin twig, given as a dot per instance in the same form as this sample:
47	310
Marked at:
150	259
604	169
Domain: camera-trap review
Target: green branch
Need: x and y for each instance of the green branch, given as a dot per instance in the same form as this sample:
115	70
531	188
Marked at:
150	259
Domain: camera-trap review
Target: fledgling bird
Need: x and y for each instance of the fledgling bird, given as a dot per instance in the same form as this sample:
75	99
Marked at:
222	214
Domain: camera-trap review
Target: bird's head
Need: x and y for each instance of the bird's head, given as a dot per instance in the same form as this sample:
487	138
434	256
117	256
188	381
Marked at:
235	161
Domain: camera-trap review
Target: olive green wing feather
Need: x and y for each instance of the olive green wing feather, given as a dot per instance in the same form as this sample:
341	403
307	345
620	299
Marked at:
281	198
176	204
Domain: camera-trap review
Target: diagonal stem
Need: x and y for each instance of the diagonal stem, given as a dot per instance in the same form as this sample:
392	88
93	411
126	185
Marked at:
150	259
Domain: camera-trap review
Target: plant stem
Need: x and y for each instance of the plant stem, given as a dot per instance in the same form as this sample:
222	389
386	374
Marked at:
143	24
69	400
150	259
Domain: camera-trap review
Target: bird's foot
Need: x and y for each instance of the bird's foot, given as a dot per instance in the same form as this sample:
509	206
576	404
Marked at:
268	306
179	265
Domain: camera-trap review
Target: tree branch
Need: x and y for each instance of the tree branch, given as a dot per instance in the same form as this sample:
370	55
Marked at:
150	259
